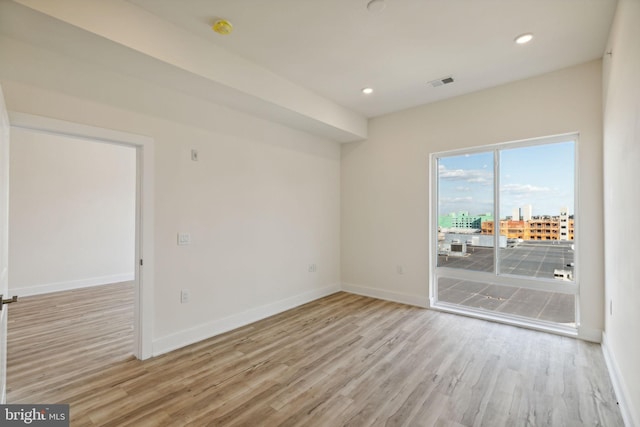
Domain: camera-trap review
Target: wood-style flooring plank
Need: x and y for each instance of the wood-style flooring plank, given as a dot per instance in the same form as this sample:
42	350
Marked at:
343	360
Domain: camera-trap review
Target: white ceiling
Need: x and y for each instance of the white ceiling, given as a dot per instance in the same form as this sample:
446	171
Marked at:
302	63
337	47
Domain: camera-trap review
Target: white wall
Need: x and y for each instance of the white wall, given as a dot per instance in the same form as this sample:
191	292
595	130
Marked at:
72	213
385	179
622	204
261	204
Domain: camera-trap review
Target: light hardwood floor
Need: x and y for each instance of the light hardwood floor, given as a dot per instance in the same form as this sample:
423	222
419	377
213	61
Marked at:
344	360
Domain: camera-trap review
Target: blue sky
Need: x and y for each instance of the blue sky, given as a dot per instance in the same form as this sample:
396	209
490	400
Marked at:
541	176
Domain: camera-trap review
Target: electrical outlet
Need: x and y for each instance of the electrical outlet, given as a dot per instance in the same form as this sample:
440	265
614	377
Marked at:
184	296
184	239
312	268
194	155
399	269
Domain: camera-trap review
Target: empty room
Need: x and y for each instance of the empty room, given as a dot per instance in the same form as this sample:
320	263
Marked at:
376	212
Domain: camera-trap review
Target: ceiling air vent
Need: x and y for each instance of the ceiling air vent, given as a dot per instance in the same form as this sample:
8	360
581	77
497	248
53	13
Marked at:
441	82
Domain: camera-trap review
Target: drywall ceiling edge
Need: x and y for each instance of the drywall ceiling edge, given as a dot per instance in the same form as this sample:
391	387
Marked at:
253	88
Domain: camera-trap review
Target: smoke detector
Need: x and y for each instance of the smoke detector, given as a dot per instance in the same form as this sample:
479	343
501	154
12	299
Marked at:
442	81
222	27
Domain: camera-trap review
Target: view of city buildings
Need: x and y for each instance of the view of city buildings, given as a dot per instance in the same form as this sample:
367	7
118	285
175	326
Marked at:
466	241
520	225
462	220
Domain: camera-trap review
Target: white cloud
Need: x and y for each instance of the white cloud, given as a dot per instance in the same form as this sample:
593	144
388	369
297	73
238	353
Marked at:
523	189
477	176
445	200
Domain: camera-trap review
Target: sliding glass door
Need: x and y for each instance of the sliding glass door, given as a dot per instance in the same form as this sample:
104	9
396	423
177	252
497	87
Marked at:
504	232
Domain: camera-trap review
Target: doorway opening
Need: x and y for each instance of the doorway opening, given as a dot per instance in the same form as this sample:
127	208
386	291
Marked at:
135	283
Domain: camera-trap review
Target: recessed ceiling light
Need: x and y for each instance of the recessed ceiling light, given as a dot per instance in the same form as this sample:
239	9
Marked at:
524	38
367	90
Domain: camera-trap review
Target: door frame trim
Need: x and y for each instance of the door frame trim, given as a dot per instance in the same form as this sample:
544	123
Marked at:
144	275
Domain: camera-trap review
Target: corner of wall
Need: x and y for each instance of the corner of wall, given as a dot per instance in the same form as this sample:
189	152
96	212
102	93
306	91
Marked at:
590	334
415	300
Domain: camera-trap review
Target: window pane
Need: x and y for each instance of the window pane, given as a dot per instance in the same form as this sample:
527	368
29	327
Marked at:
537	211
465	207
535	304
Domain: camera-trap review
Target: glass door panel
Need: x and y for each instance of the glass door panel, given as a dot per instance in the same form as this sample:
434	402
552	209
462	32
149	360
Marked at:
465	207
537	211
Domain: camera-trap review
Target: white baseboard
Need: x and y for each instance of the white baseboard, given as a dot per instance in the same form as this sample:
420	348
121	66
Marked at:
629	413
588	334
217	327
417	300
73	284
